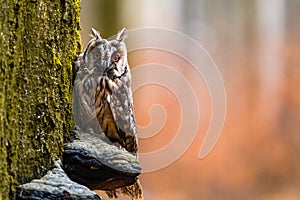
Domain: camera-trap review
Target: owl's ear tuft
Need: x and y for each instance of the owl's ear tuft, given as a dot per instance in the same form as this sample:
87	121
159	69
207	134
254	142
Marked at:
122	35
95	34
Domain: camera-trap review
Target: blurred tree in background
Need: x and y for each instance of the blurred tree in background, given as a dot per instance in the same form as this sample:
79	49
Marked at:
103	16
256	47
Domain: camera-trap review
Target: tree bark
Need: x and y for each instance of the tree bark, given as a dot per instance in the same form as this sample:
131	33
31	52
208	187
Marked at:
39	41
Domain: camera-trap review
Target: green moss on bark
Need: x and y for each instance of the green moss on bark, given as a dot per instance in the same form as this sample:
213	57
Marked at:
39	41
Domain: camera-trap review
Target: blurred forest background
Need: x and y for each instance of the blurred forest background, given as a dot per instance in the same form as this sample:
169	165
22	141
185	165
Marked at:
255	45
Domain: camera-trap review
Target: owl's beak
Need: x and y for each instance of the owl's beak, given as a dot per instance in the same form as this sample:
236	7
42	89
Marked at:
106	64
111	67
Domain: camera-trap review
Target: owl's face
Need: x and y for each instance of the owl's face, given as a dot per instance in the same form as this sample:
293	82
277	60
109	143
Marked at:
108	58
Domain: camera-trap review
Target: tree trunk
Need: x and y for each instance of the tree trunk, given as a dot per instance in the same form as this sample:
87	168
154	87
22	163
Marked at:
38	42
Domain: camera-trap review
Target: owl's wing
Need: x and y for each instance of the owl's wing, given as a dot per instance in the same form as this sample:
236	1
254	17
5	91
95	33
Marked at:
83	103
121	105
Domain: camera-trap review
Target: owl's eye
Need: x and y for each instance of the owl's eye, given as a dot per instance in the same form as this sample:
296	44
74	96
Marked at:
96	55
116	57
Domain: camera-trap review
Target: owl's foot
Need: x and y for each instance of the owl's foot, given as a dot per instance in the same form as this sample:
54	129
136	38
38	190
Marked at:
117	144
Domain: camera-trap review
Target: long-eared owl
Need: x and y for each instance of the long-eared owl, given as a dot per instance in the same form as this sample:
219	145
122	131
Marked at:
102	97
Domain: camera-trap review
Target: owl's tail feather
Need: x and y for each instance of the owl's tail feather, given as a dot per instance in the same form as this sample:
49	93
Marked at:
135	191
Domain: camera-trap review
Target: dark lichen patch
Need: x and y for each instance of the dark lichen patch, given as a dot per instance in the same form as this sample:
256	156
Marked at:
39	42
